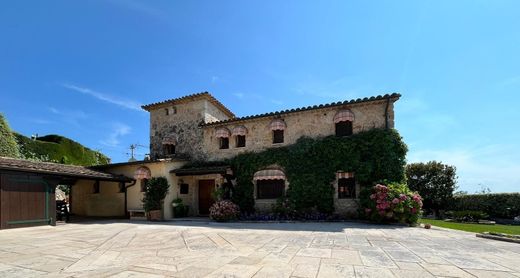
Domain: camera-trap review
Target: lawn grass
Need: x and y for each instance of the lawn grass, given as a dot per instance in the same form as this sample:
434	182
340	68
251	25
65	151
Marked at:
475	228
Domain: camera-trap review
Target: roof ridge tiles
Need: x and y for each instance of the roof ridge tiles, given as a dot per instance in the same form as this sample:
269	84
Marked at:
310	107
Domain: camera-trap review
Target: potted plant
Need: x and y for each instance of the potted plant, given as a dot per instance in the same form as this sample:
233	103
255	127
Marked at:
155	192
179	209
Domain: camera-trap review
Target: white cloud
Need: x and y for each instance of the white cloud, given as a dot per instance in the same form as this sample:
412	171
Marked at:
277	102
343	88
125	103
239	95
118	130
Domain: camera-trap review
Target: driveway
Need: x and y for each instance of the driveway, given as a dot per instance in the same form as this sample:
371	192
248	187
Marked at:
202	249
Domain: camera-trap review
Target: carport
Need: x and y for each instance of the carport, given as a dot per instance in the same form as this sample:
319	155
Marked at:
27	189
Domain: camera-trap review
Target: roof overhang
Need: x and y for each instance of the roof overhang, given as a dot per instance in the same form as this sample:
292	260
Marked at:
197	171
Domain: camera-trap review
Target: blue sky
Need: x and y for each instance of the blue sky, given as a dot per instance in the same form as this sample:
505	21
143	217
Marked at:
82	69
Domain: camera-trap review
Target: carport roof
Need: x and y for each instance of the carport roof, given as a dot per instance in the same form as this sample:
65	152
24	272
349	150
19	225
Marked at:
56	169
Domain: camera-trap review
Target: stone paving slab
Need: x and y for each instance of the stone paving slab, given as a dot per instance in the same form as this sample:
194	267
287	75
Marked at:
207	249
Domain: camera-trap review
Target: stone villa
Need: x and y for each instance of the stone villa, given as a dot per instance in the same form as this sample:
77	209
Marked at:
199	127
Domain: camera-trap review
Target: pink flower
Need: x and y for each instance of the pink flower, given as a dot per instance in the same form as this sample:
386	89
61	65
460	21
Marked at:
395	201
368	210
373	196
414	210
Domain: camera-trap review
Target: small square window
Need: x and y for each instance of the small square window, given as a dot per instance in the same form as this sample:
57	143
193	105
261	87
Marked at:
241	141
277	136
184	188
169	149
224	143
166	111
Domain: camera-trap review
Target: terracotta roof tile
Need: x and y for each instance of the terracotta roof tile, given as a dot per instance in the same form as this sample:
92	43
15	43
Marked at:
394	96
205	95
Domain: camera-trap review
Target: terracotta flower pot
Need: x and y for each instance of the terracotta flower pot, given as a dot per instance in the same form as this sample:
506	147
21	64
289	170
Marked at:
155	215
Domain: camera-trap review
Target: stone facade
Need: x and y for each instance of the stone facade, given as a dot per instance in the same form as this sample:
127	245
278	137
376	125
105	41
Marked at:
190	124
311	123
180	120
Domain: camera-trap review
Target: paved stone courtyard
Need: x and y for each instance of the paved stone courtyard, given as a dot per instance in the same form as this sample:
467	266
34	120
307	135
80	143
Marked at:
202	249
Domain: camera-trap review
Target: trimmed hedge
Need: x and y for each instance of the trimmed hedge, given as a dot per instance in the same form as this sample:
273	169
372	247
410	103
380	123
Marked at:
59	149
8	146
310	166
496	205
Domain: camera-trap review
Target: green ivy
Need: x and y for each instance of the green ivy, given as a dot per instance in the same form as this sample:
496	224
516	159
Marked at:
310	166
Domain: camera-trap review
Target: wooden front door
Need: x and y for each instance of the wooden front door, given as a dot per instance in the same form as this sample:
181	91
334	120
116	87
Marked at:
206	187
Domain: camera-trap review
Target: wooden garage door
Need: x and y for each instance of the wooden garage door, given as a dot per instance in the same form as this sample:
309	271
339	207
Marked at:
25	200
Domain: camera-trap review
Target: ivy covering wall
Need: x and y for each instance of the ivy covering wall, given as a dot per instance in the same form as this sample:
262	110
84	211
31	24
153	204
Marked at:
310	166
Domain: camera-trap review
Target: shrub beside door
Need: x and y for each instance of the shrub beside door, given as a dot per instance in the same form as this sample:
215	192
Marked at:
156	190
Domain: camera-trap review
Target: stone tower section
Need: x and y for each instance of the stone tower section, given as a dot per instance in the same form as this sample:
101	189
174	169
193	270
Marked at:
175	125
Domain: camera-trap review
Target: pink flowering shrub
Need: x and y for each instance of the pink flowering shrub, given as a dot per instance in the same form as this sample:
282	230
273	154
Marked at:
391	203
224	211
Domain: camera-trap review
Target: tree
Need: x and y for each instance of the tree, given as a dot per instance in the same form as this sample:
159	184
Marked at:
8	145
435	182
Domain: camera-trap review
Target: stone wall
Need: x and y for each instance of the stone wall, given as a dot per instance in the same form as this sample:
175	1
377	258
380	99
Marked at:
312	123
183	126
346	206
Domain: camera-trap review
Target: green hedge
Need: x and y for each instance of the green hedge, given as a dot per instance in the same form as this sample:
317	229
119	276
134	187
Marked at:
55	148
310	166
496	205
8	145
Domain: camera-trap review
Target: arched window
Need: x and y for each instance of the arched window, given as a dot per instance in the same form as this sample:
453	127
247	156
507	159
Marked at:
169	144
223	136
346	185
270	183
277	127
142	174
343	121
240	133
